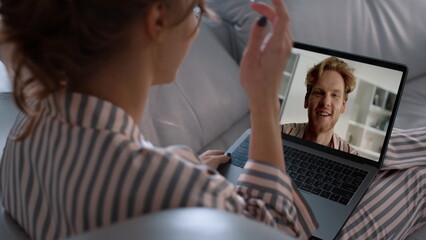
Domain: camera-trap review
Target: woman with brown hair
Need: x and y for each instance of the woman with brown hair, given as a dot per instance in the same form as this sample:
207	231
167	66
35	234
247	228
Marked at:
75	159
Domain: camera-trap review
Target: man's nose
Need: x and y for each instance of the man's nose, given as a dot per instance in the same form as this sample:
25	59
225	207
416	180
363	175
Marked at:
326	100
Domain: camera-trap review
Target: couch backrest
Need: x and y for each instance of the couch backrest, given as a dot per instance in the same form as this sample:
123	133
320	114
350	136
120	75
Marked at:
391	30
205	100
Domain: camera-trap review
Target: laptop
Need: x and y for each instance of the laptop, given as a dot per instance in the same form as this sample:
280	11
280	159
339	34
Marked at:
333	181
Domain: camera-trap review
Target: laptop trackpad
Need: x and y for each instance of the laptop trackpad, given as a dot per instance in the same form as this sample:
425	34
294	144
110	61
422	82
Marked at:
330	215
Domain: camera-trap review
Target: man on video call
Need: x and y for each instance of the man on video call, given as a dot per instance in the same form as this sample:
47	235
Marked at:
328	85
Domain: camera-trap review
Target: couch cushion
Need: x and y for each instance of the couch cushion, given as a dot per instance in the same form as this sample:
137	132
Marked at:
391	30
412	111
5	85
204	101
186	223
9	229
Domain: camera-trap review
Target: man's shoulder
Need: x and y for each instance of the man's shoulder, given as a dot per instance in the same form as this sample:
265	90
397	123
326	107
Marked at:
343	145
294	129
295	125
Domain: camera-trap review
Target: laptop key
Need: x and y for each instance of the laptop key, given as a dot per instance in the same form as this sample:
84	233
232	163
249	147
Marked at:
312	167
342	192
301	178
338	168
325	194
319	176
310	174
327	179
310	181
238	155
338	176
292	168
311	160
319	184
298	183
306	187
336	183
321	170
359	175
349	187
329	165
293	175
347	171
238	163
327	187
295	162
334	197
343	201
241	151
316	191
304	165
301	171
356	182
347	179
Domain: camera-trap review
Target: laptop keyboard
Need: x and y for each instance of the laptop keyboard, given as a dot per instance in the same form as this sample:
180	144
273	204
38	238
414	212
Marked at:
314	174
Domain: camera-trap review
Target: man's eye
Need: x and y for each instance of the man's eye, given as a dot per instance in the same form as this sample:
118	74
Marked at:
317	93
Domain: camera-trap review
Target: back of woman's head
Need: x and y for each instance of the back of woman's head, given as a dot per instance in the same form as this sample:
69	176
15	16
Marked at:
58	41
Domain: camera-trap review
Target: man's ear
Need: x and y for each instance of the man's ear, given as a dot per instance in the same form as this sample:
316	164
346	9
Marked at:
342	110
155	21
306	105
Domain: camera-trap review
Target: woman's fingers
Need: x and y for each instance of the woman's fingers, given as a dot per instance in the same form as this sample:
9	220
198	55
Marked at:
256	39
213	152
266	54
279	18
264	10
221	159
281	10
214	158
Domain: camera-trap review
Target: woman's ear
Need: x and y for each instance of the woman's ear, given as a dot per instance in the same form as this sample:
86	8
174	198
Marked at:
155	21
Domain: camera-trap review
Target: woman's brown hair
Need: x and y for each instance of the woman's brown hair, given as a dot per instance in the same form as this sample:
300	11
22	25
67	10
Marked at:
58	41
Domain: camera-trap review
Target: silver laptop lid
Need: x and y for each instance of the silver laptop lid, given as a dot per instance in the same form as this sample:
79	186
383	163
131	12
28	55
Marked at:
364	121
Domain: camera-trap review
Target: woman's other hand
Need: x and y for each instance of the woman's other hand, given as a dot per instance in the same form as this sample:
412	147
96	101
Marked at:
214	158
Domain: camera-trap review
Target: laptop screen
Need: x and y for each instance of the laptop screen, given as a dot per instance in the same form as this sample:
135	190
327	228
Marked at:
320	110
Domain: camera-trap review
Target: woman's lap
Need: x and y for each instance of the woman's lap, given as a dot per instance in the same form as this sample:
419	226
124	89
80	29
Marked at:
393	207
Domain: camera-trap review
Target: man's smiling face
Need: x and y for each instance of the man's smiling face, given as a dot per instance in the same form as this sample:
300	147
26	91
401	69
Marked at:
326	101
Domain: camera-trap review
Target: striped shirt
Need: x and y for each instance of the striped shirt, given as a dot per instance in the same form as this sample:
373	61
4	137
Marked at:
86	165
298	130
395	204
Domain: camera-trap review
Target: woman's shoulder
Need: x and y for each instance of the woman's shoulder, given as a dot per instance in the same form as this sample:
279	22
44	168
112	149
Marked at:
144	149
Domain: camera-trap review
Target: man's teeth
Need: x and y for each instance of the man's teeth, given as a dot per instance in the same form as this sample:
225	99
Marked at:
323	114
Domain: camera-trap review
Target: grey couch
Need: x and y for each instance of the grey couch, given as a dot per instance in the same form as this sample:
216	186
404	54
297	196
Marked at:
206	107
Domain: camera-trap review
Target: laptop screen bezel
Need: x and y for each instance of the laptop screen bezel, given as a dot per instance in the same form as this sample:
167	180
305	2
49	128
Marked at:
367	60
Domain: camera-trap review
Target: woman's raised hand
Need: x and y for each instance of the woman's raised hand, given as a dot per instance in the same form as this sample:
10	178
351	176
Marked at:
265	57
261	71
